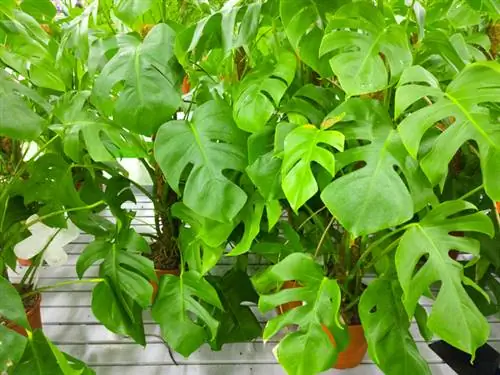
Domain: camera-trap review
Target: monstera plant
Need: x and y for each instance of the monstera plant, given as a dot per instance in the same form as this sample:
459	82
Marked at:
338	140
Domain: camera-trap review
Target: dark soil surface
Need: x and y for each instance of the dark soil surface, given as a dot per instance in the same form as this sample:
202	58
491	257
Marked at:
164	259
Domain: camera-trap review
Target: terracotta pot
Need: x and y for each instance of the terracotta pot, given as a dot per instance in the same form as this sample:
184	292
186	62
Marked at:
24	262
34	317
290	305
159	274
355	351
497	205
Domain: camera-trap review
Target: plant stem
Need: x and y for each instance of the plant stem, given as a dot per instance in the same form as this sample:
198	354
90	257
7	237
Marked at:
89	207
370	248
386	251
63	283
310	217
472	192
323	236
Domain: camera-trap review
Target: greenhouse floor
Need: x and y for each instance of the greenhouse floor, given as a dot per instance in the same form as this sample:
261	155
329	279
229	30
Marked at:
69	322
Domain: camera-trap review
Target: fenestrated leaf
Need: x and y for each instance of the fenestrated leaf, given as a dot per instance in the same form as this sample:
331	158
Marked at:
303	146
12	348
211	232
196	254
149	96
477	84
305	22
129	10
93	252
117	312
310	104
369	50
307	350
230	28
237	321
212	143
260	93
176	303
11	306
430	238
373	196
386	325
129	272
81	128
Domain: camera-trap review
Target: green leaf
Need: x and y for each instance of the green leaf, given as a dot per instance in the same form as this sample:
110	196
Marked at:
472	121
129	272
80	128
438	43
230	28
117	312
42	10
93	252
310	104
12	349
175	306
50	180
196	254
303	146
260	93
211	143
237	321
430	238
41	357
357	37
307	350
129	10
11	306
17	119
373	195
212	233
305	22
149	96
386	325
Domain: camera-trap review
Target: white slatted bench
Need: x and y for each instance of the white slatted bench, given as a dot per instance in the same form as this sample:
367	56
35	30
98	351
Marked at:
69	322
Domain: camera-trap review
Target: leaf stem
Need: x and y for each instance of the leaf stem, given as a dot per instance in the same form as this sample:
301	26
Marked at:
472	192
63	283
323	236
55	213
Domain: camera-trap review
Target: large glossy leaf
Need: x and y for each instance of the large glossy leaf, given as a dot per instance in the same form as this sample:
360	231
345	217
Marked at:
373	196
11	306
308	350
42	357
477	84
17	119
386	325
146	73
129	10
430	239
185	324
12	348
230	28
211	143
237	322
303	146
305	22
260	93
310	104
369	50
118	312
129	272
81	129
